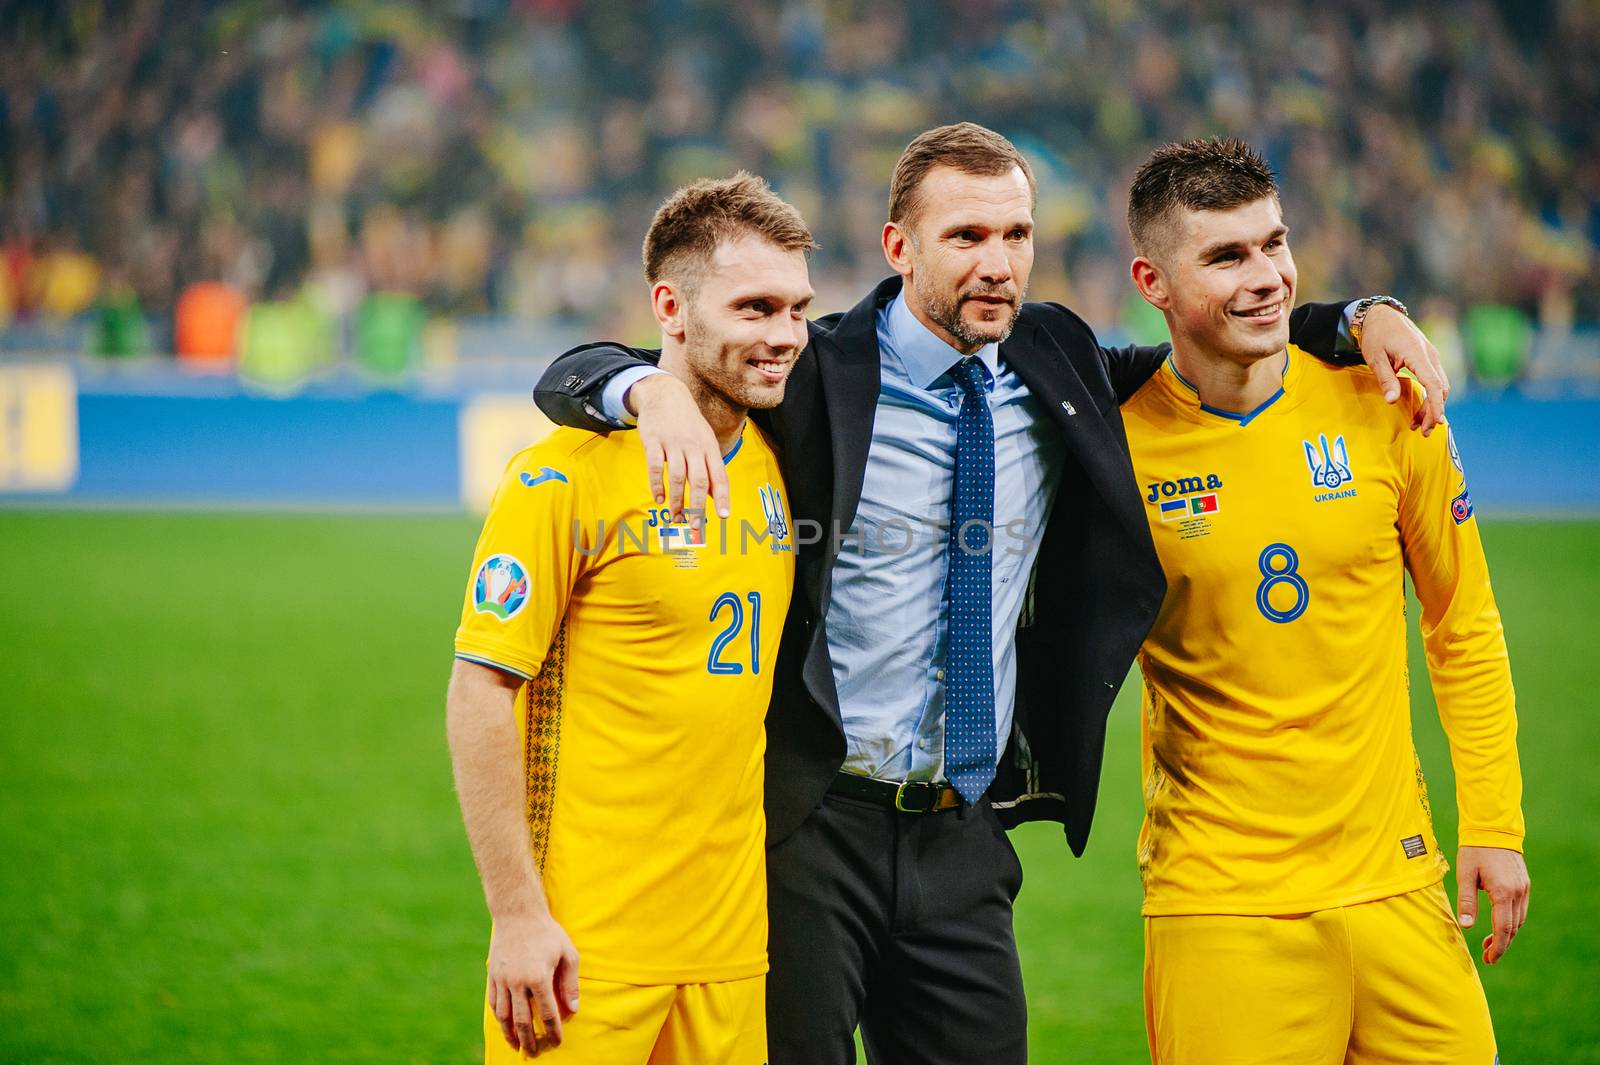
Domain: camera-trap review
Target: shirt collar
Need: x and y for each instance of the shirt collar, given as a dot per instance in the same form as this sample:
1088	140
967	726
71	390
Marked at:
923	356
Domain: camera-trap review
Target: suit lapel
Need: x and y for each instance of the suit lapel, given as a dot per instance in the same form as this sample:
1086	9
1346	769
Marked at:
849	365
1095	439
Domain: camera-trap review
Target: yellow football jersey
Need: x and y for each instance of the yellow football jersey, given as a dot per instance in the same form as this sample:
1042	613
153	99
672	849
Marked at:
649	654
1279	770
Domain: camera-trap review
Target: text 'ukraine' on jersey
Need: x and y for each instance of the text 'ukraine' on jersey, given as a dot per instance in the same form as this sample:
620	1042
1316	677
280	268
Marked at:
649	649
1280	775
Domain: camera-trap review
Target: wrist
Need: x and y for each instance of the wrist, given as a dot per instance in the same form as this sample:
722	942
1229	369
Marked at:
1358	317
525	908
522	918
643	394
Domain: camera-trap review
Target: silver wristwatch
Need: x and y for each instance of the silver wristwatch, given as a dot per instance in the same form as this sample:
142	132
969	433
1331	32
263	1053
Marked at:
1358	317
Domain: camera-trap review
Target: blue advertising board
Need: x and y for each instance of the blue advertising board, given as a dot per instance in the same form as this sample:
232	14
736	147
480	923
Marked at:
97	443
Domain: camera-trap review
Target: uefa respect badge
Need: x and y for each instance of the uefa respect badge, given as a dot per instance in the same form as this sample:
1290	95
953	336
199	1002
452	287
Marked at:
501	588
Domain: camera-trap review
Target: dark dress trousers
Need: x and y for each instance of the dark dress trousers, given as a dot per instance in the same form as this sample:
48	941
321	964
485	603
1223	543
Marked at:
918	950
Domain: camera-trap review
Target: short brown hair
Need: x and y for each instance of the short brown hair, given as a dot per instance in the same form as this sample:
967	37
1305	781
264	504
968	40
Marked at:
1200	175
965	146
691	223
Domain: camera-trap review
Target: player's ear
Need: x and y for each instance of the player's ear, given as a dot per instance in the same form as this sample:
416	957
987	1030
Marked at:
670	305
896	250
1152	286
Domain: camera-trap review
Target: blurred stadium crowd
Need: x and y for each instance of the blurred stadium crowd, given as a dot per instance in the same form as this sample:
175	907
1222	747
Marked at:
180	174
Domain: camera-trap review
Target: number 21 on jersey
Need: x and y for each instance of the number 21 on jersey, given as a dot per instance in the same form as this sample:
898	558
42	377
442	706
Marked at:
729	603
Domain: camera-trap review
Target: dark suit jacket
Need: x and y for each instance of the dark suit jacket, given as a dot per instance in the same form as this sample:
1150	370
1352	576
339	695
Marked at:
1096	586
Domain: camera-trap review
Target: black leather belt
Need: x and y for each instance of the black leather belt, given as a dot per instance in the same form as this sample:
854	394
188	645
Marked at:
910	796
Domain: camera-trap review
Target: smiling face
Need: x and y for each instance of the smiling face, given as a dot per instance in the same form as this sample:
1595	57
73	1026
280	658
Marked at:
966	254
743	321
1225	280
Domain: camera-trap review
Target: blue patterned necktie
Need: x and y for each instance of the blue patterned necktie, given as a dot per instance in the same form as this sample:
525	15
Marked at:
969	754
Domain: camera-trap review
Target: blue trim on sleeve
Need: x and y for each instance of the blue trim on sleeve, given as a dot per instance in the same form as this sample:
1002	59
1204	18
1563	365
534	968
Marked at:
492	664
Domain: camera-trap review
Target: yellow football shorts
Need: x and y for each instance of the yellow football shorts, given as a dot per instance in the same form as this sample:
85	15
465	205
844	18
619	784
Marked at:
1382	981
628	1024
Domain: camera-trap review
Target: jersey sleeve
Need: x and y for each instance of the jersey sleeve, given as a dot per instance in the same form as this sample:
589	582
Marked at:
526	564
1463	639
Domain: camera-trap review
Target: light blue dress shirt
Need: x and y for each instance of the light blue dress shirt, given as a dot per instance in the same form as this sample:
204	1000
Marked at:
888	619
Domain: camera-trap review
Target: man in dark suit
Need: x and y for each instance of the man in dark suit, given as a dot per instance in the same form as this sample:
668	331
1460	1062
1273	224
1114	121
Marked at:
975	576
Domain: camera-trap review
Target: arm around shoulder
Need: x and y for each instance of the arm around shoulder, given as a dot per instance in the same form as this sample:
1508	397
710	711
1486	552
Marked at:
1316	328
570	390
1125	369
1377	331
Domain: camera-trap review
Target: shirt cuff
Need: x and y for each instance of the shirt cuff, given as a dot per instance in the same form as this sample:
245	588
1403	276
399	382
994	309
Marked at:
493	664
616	389
1346	344
1490	837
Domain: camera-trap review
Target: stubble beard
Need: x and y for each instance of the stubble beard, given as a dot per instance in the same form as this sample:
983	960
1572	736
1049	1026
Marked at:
716	386
945	311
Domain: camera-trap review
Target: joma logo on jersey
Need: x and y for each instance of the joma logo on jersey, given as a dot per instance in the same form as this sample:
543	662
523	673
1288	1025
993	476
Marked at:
1185	497
545	475
1183	486
1330	467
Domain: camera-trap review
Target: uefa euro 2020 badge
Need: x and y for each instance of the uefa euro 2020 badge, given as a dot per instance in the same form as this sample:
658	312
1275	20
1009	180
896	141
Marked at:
501	588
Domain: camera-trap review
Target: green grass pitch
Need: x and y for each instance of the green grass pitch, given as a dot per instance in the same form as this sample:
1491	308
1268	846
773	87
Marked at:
227	831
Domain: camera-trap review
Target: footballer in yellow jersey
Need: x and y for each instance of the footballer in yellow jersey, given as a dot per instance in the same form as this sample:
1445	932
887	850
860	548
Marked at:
1279	770
1292	879
614	667
647	651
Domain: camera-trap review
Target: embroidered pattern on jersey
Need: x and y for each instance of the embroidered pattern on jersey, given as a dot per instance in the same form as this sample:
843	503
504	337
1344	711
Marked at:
1422	786
542	747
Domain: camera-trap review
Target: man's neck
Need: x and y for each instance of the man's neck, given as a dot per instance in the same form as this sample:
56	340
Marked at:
1235	386
725	419
914	305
